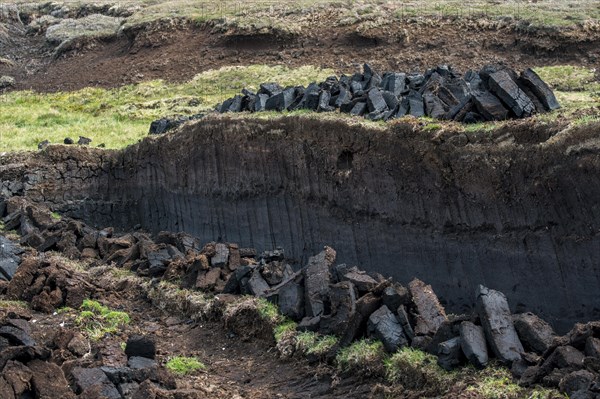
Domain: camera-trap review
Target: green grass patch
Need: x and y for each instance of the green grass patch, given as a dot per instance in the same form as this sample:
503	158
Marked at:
312	343
122	116
182	365
569	78
268	311
496	382
291	16
5	304
360	354
284	329
415	369
98	320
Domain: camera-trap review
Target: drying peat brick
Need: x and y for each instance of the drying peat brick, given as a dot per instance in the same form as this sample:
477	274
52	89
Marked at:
257	285
280	101
270	89
395	295
343	98
450	354
508	91
360	279
260	102
489	106
365	306
394	83
324	99
236	104
415	101
592	347
316	281
541	90
403	107
498	325
141	346
359	109
48	381
390	99
16	336
384	326
221	255
290	299
434	107
404	321
343	307
535	333
375	101
431	314
84	140
458	111
9	258
310	99
472	341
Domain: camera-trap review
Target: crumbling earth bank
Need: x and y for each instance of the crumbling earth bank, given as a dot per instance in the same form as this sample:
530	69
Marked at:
509	209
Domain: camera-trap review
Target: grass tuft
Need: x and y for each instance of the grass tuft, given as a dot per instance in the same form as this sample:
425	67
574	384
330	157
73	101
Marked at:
360	355
5	304
98	320
284	329
182	365
268	311
122	116
312	343
415	369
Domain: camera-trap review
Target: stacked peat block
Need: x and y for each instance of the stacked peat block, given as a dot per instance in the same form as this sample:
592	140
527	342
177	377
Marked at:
493	93
322	296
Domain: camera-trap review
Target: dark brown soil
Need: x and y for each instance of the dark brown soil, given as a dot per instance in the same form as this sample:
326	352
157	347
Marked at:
178	53
236	368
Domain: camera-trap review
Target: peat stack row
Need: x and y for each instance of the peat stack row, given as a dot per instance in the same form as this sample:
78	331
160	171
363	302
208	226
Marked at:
322	296
493	93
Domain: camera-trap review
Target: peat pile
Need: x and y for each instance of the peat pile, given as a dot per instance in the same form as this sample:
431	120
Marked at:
322	296
61	363
493	93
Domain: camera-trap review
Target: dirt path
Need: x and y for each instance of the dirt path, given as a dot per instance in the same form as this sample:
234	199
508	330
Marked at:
235	368
177	54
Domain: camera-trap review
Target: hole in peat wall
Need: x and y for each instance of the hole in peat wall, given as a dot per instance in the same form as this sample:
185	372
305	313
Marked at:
345	159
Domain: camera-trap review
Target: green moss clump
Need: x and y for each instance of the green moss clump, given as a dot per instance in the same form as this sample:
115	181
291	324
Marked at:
98	320
182	365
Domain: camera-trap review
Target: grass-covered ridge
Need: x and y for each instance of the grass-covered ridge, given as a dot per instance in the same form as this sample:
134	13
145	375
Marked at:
97	320
288	15
120	117
183	365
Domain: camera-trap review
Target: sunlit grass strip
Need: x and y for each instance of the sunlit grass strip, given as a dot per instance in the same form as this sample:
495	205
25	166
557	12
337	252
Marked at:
98	320
182	365
122	116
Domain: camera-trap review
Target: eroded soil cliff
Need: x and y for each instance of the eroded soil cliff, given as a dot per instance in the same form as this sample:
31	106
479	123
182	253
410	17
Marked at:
515	209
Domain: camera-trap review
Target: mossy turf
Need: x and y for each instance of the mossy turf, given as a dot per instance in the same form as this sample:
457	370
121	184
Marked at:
183	365
120	117
97	320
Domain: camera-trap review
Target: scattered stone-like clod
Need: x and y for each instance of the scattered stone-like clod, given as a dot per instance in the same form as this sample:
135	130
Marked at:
321	296
493	93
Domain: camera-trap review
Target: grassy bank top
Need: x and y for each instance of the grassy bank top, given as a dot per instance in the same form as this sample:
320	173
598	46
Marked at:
122	116
345	12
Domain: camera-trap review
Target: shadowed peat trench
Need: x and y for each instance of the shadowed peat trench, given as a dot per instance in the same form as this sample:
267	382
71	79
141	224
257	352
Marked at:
514	214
